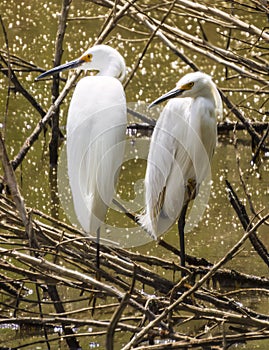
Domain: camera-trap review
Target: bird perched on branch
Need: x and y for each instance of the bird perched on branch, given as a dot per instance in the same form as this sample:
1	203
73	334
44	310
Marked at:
96	127
181	149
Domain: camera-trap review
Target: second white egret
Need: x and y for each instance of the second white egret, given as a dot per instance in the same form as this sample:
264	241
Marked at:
181	148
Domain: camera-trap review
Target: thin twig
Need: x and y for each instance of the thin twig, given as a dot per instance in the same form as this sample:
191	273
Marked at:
260	146
41	125
11	182
8	74
55	135
197	285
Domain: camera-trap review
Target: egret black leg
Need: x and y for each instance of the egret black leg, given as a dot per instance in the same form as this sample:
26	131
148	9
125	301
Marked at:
97	274
181	225
98	248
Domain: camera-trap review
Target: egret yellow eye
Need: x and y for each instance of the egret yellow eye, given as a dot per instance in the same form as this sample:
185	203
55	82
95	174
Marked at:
187	86
87	58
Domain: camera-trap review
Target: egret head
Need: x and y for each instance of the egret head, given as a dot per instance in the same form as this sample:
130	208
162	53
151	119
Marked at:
191	85
100	58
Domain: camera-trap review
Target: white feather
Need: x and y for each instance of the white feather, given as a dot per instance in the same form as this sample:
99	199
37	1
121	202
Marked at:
96	127
181	149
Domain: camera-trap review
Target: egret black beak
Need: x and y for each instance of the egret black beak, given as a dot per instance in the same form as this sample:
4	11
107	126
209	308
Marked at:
69	65
171	94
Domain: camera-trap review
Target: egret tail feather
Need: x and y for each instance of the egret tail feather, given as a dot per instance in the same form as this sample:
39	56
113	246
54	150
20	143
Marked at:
146	223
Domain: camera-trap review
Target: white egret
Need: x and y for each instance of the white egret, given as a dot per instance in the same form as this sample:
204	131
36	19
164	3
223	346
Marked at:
96	127
181	149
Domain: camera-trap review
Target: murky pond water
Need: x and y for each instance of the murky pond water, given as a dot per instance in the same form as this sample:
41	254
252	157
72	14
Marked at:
31	27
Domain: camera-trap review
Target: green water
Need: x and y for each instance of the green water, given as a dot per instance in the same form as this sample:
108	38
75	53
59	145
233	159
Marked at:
31	26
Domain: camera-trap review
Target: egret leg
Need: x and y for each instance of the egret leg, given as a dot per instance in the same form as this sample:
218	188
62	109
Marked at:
97	274
181	225
98	249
